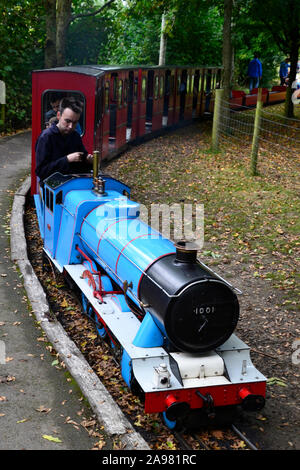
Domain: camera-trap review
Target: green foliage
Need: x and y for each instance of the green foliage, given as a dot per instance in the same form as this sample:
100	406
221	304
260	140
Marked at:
129	33
20	52
132	41
86	37
249	36
197	35
194	32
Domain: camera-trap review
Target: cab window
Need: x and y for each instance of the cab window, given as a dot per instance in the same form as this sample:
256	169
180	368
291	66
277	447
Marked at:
50	107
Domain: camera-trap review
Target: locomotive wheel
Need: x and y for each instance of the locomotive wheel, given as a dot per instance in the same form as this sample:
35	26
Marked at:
199	419
101	330
47	265
173	425
85	304
88	310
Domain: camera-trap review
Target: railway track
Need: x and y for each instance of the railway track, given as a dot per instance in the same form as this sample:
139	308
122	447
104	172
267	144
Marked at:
225	439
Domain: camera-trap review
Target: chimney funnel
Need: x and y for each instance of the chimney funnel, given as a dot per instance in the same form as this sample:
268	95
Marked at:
186	251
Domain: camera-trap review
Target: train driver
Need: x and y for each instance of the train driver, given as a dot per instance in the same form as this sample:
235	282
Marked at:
60	148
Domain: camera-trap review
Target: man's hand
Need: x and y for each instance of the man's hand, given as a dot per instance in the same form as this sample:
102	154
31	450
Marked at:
75	157
89	158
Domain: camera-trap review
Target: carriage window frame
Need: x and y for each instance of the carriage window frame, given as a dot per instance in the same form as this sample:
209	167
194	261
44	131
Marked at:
115	87
188	84
120	93
135	89
178	84
106	96
213	80
161	86
125	92
143	89
192	84
156	87
172	84
171	89
200	85
45	105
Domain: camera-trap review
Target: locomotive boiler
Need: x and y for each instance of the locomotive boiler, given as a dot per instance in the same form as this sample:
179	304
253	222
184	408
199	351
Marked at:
172	318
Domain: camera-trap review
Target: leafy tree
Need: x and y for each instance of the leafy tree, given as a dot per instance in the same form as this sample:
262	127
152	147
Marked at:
272	28
193	29
283	23
132	40
84	40
21	32
196	37
59	15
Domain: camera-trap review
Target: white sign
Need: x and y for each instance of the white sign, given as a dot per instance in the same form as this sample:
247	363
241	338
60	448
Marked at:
2	92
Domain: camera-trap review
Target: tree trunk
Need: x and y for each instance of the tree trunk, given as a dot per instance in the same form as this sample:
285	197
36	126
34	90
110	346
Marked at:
63	18
227	64
50	43
163	43
227	49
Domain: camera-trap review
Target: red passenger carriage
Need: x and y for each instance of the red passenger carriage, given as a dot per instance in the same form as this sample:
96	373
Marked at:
121	104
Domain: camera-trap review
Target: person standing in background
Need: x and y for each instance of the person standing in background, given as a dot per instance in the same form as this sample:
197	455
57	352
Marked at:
284	71
254	72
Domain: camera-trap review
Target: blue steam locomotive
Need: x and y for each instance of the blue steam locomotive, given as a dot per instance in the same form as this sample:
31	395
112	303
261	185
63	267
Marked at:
171	316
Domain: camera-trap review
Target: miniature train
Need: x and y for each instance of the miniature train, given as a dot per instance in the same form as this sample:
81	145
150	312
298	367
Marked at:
171	317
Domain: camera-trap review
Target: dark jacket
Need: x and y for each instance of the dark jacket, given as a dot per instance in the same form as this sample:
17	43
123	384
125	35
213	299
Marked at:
52	149
284	70
255	68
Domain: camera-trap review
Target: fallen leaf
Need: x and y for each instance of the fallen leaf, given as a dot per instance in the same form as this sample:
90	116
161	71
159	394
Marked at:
218	434
43	409
239	445
51	438
276	381
99	445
